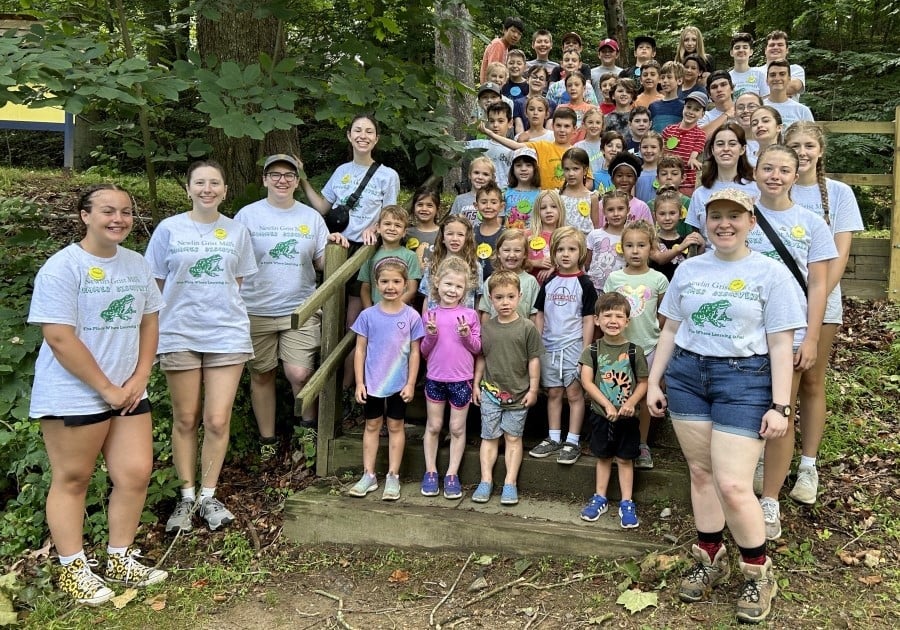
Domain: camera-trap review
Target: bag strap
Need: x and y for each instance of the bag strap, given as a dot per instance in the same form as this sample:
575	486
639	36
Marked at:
353	199
632	359
786	257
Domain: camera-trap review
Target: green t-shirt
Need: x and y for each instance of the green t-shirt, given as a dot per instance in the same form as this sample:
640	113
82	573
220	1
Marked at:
612	373
507	349
407	256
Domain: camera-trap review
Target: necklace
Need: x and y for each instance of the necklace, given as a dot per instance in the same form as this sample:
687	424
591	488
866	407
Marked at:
197	224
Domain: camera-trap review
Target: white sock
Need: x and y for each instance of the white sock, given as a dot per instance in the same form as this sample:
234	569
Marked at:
572	438
556	434
116	551
207	493
643	445
808	461
66	560
188	494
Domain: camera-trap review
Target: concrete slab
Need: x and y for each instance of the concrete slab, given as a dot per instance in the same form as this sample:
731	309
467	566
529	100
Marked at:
536	526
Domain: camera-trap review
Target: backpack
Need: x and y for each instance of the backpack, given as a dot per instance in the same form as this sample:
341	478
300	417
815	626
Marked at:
632	360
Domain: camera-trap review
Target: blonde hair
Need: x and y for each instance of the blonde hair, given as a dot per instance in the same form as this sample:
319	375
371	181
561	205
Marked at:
675	68
503	278
568	231
643	227
486	162
510	234
450	264
467	253
815	131
396	212
537	225
496	65
680	54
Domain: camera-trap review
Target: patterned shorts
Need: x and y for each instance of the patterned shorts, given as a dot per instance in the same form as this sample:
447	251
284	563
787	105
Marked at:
459	394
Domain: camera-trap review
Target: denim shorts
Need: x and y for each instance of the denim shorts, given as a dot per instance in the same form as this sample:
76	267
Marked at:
732	393
497	420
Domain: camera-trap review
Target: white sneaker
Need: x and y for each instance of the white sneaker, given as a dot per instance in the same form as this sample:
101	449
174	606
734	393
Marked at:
807	487
772	517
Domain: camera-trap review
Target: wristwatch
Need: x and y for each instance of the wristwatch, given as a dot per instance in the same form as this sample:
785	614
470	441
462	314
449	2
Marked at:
784	410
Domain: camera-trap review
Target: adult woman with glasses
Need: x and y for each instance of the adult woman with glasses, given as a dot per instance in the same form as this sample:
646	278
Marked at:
289	241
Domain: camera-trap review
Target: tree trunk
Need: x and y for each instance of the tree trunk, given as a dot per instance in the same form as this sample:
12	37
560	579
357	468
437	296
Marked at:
617	28
748	16
453	56
238	36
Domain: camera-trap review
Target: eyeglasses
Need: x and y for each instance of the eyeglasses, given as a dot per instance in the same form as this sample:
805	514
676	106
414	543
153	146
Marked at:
746	108
276	177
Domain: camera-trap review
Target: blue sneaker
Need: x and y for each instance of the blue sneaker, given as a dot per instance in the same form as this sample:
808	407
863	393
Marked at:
510	495
628	514
430	484
596	508
482	493
452	487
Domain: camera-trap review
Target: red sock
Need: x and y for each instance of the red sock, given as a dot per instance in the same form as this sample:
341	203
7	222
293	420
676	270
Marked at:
760	560
710	548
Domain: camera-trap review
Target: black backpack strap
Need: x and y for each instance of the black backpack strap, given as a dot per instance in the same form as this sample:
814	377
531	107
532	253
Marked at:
594	345
632	359
779	246
353	199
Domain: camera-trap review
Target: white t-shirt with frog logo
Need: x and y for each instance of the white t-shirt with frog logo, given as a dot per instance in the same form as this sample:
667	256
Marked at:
200	264
104	299
726	308
286	244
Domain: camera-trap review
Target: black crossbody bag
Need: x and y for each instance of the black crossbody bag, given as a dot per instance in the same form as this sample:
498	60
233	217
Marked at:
786	257
338	218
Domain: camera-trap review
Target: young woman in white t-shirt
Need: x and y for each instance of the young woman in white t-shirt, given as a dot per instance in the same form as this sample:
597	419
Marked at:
97	305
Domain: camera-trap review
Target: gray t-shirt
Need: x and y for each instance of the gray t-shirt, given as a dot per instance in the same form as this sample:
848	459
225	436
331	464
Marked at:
843	216
286	244
748	81
104	299
726	308
200	264
380	191
499	155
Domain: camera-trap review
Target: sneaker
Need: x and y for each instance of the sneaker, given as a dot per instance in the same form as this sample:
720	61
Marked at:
366	484
214	513
759	476
430	485
644	460
628	517
755	601
569	454
510	494
705	575
452	487
596	507
181	517
482	493
82	584
127	569
807	487
772	517
268	448
392	487
545	448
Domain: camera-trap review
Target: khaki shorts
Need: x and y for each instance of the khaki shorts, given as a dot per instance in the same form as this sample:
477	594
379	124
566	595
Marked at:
274	339
191	360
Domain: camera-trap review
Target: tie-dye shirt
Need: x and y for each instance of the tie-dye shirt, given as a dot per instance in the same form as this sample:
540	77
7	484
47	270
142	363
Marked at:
389	341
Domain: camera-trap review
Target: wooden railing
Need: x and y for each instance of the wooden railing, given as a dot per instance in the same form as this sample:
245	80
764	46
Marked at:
324	383
892	180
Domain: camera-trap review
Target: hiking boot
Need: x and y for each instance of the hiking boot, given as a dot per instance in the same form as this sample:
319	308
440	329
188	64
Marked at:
214	513
430	486
772	517
452	487
392	487
806	488
628	518
509	495
705	575
755	601
78	581
644	460
482	493
568	454
268	448
759	476
127	569
596	507
181	517
366	484
545	448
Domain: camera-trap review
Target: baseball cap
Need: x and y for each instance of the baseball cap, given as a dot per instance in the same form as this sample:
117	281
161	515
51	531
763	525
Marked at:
609	42
523	152
699	97
572	35
733	196
489	86
281	157
644	39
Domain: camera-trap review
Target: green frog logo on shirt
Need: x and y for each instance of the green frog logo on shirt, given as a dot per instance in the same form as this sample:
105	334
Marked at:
285	248
712	313
119	309
209	266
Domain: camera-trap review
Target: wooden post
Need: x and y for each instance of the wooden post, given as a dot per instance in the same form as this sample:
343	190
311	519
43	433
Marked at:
893	291
333	313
